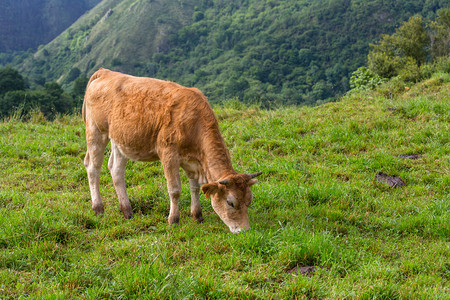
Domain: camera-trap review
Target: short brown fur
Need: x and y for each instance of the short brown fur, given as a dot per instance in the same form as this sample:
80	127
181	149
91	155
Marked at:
149	119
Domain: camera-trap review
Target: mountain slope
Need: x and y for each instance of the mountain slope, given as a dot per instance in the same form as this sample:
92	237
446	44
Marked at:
271	51
115	31
28	23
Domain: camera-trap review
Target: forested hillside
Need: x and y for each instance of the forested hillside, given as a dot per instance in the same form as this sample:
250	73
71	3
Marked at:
29	23
282	51
288	52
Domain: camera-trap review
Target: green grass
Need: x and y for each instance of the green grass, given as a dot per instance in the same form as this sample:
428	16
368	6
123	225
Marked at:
318	203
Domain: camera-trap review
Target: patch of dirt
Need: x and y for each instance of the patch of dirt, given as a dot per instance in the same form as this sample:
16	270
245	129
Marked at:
409	156
308	271
392	181
391	109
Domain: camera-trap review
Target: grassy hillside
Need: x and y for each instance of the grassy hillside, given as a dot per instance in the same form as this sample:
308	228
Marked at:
319	203
29	23
287	52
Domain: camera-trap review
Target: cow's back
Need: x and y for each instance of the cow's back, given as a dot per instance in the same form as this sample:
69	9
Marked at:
139	114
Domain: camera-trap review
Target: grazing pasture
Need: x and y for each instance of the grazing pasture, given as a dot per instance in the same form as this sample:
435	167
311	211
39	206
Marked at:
324	225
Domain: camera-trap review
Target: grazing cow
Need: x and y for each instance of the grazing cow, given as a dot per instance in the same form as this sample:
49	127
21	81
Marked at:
149	119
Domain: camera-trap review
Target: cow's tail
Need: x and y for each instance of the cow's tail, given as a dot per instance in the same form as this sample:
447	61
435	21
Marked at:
83	108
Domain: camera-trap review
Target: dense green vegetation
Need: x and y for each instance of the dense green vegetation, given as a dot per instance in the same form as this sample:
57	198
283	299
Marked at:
16	98
412	45
411	54
273	52
318	203
29	23
280	51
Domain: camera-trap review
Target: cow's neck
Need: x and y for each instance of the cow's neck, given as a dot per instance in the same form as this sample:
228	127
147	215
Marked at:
217	162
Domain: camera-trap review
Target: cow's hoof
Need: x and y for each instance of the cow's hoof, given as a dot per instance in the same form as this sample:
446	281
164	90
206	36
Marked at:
197	215
127	215
174	220
198	218
98	209
127	211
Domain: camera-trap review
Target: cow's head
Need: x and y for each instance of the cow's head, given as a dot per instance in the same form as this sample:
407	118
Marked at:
230	199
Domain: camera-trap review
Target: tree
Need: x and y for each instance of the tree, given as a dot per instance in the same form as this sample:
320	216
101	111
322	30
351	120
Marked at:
74	73
78	90
384	62
10	80
412	39
236	87
408	45
57	101
12	101
440	34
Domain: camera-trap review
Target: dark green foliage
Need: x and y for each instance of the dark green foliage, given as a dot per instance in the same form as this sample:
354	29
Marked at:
364	78
74	73
79	87
11	101
440	34
57	102
288	52
413	43
10	80
413	39
406	48
197	16
49	101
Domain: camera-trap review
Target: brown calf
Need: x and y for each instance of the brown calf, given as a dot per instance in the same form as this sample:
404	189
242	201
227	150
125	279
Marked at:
149	119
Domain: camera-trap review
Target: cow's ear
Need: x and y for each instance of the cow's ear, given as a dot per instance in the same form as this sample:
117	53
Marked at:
252	182
210	189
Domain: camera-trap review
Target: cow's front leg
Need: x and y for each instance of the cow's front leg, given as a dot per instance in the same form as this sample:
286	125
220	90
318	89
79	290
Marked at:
116	165
171	165
196	210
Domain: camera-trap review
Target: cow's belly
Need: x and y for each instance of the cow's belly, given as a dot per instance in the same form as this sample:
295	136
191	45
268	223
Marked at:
138	154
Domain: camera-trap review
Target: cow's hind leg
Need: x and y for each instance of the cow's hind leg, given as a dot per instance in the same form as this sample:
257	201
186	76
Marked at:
96	144
196	210
116	165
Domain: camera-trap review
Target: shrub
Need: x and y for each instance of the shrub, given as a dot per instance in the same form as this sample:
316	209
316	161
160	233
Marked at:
74	73
363	78
410	71
10	80
49	101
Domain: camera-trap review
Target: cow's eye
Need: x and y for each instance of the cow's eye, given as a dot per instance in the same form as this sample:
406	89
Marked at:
230	203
